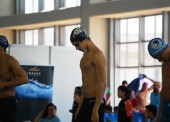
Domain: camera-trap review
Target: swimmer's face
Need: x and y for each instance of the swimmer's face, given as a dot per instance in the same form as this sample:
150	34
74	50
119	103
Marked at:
2	49
164	57
159	58
79	45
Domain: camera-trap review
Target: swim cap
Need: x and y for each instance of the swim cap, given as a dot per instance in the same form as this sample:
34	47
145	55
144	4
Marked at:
3	41
157	46
78	34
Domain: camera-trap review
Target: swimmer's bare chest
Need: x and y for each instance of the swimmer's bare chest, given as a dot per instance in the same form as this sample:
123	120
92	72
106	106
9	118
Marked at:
87	68
88	76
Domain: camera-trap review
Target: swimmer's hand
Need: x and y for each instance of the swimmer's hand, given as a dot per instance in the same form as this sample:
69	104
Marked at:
95	116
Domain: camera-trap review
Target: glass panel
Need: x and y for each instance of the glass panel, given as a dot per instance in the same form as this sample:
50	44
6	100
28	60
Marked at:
35	37
123	30
133	29
154	73
67	32
48	5
129	54
31	37
72	3
128	74
159	26
148	60
31	6
48	34
28	37
149	27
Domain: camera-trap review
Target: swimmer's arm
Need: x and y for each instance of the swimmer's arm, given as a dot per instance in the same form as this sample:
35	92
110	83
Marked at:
100	67
19	76
150	89
153	81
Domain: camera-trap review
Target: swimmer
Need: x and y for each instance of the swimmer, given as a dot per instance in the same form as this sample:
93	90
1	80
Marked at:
11	75
159	50
93	67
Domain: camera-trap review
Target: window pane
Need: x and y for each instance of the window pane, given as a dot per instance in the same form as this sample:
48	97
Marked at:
159	26
31	37
35	37
28	37
154	73
123	30
149	27
128	74
129	54
31	6
133	29
72	3
48	34
67	32
48	5
148	60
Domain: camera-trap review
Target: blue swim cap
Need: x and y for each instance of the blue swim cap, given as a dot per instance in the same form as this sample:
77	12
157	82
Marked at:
3	41
157	46
78	34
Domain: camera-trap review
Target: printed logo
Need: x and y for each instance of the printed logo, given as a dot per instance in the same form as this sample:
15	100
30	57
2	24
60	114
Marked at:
77	31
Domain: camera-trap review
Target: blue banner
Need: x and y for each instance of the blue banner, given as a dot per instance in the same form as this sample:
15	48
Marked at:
36	94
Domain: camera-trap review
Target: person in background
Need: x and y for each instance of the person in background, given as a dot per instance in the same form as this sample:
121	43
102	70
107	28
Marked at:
124	83
115	109
77	98
11	76
125	110
107	96
150	113
159	50
134	101
93	69
108	109
48	114
155	95
143	94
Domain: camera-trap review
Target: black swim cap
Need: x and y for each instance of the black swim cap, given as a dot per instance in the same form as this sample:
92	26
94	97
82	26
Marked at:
78	34
3	41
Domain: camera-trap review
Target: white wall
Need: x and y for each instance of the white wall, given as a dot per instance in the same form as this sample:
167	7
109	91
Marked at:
67	76
67	73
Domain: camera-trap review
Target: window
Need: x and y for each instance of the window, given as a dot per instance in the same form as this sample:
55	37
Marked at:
48	36
31	37
131	52
31	6
129	30
153	27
